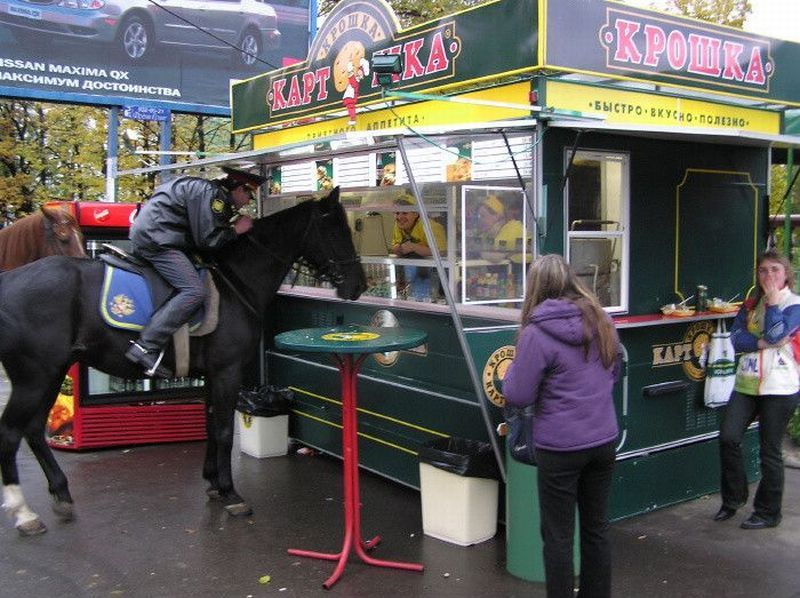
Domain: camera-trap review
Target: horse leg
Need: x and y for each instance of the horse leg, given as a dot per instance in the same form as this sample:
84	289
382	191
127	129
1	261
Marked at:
210	463
223	392
35	437
56	480
11	426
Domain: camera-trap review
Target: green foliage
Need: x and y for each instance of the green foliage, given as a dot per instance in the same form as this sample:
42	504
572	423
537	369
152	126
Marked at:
724	12
412	12
59	151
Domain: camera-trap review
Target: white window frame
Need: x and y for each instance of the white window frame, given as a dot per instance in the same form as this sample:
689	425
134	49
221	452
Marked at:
622	236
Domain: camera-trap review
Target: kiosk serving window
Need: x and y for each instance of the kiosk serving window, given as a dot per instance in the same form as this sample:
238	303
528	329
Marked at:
597	209
470	186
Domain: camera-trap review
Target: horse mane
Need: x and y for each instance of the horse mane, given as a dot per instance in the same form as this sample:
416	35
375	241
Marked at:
22	242
274	232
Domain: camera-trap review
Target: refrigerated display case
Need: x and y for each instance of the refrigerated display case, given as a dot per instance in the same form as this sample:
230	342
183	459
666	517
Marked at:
95	410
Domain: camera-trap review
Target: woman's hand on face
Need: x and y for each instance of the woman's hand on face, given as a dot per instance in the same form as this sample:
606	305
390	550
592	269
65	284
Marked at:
771	291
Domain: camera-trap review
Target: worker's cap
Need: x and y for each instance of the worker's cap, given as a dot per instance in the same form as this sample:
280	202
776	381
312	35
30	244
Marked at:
494	205
406	199
234	178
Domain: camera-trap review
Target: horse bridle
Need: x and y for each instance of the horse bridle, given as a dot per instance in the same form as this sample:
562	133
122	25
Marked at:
58	233
332	271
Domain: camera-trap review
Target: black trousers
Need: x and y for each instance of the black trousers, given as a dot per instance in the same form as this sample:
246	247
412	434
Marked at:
774	412
179	271
568	479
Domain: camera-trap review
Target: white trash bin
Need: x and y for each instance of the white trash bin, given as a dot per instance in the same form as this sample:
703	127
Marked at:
461	509
263	436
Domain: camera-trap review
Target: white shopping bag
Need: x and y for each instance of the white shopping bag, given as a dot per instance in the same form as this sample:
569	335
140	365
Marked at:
720	368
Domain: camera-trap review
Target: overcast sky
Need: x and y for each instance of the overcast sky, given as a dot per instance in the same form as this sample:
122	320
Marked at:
773	18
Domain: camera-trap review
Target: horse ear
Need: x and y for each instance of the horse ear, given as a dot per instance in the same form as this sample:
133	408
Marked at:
329	200
48	213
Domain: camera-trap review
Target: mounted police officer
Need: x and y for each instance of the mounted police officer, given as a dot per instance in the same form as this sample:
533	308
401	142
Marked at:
184	215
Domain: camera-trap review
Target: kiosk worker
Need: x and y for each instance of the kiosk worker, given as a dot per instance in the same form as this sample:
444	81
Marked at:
409	241
565	365
185	215
496	228
767	385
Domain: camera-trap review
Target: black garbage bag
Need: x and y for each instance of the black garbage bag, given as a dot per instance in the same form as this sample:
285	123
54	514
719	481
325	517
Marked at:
461	456
265	401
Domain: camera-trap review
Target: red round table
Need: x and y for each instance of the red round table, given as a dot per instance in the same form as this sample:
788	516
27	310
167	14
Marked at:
350	346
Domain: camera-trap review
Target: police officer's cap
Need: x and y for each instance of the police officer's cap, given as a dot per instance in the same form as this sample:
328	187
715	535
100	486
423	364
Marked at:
234	178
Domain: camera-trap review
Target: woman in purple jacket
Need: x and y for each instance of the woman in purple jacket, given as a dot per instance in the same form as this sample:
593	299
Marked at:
566	365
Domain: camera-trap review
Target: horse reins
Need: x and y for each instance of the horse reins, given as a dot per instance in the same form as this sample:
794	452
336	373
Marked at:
54	240
331	272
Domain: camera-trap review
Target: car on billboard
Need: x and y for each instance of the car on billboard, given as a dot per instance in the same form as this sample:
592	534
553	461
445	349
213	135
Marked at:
138	29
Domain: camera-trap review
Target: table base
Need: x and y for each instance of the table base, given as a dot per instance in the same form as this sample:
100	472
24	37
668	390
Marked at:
353	541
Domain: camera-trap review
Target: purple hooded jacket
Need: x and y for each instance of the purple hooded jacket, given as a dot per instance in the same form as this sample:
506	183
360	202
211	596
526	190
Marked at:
574	408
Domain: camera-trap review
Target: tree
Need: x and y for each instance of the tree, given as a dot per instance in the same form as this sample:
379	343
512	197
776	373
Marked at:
724	12
410	12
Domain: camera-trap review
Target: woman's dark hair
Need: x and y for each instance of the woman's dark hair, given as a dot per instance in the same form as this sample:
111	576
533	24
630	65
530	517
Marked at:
550	277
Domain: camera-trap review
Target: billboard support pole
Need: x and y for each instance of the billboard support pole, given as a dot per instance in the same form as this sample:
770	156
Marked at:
165	146
111	160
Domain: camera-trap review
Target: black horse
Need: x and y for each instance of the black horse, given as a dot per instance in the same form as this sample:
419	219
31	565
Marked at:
49	319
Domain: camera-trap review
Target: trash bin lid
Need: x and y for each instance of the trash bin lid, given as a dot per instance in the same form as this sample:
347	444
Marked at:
351	338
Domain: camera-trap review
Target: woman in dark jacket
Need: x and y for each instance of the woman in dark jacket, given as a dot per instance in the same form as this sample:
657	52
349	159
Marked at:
566	365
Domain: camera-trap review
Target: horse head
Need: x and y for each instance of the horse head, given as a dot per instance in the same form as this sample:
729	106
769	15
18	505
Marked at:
63	234
329	250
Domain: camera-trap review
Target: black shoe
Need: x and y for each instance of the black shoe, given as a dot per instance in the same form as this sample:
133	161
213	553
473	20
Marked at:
757	522
148	360
724	513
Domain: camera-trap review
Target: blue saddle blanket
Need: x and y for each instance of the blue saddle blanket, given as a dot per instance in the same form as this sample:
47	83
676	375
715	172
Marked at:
126	300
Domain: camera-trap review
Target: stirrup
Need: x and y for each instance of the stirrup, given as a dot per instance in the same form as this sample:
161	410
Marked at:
153	369
151	372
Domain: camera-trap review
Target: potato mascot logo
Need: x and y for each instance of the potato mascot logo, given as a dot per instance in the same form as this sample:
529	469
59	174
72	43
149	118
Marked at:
686	353
493	373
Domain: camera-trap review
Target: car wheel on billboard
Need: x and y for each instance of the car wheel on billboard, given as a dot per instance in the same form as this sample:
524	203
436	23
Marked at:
136	38
251	48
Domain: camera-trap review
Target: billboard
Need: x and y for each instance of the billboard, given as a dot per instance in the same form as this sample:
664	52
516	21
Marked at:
175	54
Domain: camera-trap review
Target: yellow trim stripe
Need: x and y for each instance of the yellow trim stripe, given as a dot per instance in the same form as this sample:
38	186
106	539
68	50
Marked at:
394	420
360	434
609	75
542	42
678	216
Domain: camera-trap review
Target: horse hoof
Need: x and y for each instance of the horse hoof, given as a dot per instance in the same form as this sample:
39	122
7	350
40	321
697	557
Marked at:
64	510
34	527
240	509
213	493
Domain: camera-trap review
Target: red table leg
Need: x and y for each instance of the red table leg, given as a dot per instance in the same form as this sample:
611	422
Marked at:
352	497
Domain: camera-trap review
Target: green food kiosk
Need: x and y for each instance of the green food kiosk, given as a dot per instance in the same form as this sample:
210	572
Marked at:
636	143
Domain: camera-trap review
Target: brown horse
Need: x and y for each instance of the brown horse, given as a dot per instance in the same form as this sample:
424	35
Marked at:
50	231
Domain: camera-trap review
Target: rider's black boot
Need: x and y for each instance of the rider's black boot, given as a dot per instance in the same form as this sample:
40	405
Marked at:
149	359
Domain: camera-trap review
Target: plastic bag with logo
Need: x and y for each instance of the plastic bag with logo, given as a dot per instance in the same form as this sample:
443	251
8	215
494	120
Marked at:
720	368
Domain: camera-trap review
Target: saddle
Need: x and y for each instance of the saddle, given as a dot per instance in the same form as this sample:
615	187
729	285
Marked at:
132	291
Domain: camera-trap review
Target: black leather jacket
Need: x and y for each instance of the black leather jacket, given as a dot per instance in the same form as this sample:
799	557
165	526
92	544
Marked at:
186	213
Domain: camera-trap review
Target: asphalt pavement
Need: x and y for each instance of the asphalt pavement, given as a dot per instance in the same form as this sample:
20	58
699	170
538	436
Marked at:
145	528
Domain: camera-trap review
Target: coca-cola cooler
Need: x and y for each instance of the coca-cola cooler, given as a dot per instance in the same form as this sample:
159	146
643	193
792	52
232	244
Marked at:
96	410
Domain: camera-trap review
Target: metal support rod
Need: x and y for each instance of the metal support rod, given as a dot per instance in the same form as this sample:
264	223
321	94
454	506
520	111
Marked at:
165	145
788	205
457	323
113	151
